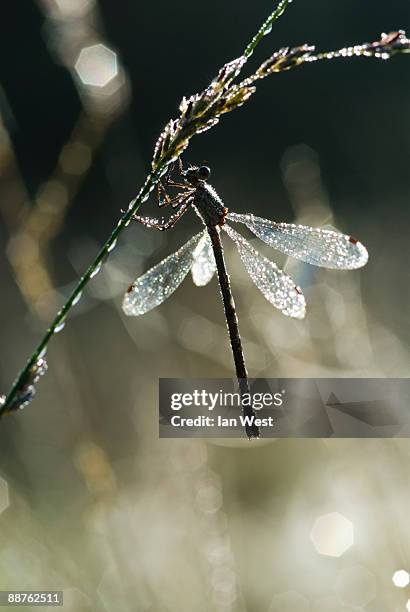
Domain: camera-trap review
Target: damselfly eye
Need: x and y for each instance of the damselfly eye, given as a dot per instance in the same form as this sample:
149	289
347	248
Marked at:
204	173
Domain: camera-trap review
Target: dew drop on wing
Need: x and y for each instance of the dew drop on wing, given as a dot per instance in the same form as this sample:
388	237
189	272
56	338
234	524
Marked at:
276	286
204	266
316	246
156	285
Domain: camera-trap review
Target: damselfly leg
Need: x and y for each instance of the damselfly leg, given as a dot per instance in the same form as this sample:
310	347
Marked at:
183	201
164	199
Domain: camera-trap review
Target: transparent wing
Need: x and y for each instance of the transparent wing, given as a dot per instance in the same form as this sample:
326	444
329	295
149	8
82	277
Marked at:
204	266
277	287
153	287
320	247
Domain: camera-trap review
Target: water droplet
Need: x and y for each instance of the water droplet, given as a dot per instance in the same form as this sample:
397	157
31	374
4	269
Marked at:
39	369
112	246
59	327
25	397
268	30
43	353
96	270
77	298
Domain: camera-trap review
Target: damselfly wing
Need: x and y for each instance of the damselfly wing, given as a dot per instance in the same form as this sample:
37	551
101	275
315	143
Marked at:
320	247
277	287
317	246
203	262
156	285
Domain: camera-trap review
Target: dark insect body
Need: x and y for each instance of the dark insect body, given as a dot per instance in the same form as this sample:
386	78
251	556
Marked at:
203	256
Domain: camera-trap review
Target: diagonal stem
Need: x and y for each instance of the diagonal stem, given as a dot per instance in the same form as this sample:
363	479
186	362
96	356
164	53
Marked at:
266	27
7	404
150	183
233	328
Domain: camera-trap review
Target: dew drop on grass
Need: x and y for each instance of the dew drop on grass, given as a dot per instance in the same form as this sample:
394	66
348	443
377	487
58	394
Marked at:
26	397
27	391
112	246
77	298
96	270
39	369
59	327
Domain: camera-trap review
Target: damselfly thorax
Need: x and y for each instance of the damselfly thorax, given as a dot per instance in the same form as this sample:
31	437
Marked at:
195	192
206	201
209	206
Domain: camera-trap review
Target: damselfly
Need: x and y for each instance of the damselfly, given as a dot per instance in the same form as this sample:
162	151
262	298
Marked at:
203	256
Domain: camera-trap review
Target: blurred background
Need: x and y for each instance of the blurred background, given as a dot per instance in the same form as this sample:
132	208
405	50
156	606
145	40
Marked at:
91	500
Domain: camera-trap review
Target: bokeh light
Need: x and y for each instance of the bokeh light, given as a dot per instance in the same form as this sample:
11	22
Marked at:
332	534
209	496
75	158
97	65
401	579
74	8
356	586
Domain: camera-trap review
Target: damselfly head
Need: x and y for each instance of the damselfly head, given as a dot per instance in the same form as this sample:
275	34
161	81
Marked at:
196	174
204	172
